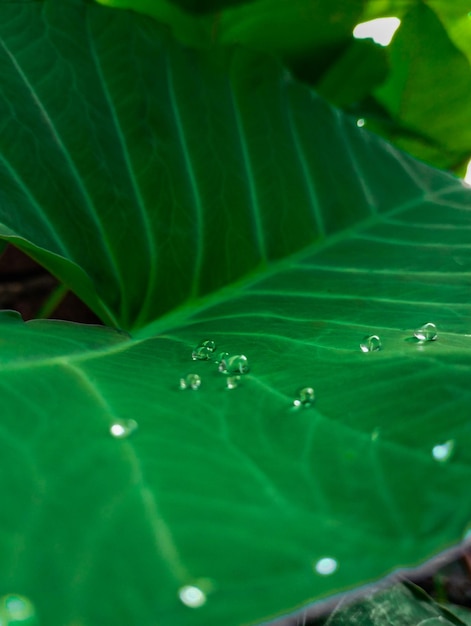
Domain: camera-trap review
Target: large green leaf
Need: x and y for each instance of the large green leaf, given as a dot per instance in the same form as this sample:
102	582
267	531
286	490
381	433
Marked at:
159	150
149	178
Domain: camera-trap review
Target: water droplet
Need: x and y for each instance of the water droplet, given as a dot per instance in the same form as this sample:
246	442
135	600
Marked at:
204	350
221	356
360	122
443	451
201	353
306	397
192	381
375	434
120	429
16	609
428	332
191	596
370	343
326	566
235	364
232	382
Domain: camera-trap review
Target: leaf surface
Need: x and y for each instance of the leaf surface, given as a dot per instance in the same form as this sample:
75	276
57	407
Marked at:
254	215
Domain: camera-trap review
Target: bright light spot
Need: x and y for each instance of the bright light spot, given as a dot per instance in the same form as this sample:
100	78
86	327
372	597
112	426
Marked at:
467	177
117	430
326	566
380	30
443	451
192	596
360	122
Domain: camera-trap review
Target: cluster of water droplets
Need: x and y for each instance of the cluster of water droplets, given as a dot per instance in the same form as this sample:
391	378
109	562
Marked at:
305	397
232	366
427	332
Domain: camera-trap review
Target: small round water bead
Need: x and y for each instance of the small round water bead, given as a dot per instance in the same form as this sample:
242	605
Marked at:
443	451
427	332
192	381
235	364
232	382
306	397
370	343
326	566
17	609
192	596
120	429
204	351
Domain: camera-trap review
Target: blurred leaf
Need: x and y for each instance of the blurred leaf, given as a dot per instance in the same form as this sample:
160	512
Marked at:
353	76
429	89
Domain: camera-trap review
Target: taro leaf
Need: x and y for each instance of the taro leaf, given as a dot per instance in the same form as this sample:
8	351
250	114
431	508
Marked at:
232	490
429	89
403	604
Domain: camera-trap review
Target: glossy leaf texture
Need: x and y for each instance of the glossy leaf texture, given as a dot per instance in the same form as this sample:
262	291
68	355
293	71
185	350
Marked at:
159	150
115	138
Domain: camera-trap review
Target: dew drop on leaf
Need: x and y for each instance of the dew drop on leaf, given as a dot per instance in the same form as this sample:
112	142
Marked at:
360	122
443	451
192	596
326	566
232	382
370	343
221	356
427	332
16	609
192	381
306	397
120	429
235	364
202	353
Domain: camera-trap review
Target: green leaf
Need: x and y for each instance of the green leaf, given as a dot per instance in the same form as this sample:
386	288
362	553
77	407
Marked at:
217	165
406	605
163	180
429	82
354	75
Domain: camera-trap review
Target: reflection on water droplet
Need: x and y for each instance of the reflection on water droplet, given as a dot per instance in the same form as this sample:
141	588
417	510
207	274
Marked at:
443	451
123	428
192	596
375	434
306	397
232	382
192	381
235	364
221	356
326	566
360	122
204	350
370	343
428	332
16	609
201	353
